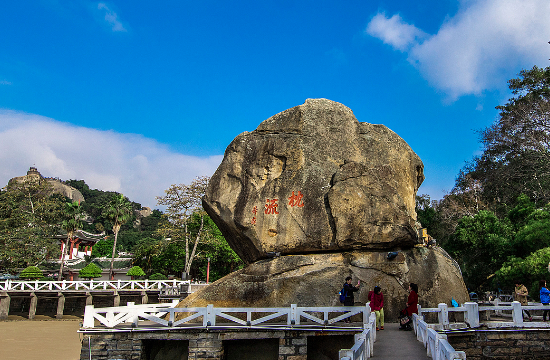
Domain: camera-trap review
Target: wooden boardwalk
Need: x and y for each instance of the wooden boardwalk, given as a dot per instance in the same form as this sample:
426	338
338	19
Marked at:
392	343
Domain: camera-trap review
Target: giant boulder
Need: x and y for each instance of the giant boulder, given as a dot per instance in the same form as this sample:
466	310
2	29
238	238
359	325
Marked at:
315	179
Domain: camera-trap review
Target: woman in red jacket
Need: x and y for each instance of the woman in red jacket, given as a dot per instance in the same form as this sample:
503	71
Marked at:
412	307
376	299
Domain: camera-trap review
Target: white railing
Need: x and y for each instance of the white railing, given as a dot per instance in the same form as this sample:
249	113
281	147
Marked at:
164	315
364	343
513	310
436	344
90	285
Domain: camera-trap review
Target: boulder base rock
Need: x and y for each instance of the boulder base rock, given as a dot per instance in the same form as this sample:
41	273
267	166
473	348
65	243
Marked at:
313	178
316	279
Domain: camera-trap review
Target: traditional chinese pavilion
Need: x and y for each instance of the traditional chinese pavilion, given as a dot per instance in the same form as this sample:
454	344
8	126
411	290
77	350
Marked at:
80	245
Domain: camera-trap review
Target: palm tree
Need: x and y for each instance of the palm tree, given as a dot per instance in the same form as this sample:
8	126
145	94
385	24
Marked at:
119	210
72	222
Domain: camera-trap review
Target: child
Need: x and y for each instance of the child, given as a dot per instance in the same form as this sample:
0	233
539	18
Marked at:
376	299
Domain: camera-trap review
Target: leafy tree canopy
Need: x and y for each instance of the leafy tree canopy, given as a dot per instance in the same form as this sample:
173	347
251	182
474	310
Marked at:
90	271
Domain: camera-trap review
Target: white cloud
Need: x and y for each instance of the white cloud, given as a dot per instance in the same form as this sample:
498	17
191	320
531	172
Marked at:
5	82
479	48
111	17
394	31
133	165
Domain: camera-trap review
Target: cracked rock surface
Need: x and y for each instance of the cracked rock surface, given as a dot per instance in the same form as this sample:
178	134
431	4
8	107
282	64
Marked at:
329	196
315	179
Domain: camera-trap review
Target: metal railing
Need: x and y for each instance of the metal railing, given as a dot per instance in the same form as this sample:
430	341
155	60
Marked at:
162	316
90	285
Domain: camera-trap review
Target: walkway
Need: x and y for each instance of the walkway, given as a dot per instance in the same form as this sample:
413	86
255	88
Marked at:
392	343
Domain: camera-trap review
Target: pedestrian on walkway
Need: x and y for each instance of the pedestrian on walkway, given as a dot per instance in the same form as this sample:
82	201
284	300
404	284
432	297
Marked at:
348	293
520	294
412	308
376	299
544	298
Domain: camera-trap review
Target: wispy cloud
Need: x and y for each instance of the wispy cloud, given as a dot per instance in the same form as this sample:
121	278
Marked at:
136	166
111	18
478	49
394	31
5	82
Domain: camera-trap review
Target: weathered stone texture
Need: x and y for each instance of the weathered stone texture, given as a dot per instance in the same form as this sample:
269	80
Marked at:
316	279
313	178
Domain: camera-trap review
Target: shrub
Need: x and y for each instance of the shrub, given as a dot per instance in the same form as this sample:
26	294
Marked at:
157	276
90	271
135	271
31	273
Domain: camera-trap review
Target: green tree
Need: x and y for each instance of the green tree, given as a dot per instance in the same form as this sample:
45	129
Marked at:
181	202
29	219
103	248
73	217
516	156
135	271
90	271
31	273
118	211
481	244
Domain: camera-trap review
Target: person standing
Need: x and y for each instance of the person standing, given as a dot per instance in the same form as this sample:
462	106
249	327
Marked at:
544	298
520	294
349	289
376	299
412	307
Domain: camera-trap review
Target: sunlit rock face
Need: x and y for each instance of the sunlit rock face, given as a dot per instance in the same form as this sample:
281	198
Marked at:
312	196
315	179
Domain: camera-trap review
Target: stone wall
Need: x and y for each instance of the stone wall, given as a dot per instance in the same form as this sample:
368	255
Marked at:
502	344
214	345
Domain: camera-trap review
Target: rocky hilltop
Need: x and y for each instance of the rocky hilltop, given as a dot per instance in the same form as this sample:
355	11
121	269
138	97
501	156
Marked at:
57	187
312	196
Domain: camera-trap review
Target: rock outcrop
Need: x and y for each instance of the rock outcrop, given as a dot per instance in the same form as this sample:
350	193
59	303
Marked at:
313	178
313	196
316	279
57	187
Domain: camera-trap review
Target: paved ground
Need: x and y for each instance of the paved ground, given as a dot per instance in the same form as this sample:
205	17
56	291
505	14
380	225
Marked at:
392	343
39	340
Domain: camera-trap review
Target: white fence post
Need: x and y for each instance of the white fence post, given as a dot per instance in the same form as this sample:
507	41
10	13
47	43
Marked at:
497	303
366	316
293	317
210	316
443	315
517	314
88	317
472	314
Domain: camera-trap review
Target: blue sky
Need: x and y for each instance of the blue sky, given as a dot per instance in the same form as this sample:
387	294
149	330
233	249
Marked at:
133	96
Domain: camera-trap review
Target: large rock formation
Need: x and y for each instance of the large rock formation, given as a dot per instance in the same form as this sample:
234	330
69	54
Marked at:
329	197
313	178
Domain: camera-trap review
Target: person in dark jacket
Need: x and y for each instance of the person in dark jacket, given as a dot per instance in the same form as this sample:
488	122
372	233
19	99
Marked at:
348	292
544	298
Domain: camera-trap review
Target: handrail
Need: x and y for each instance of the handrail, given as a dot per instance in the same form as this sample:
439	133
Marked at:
90	285
164	315
471	314
436	344
363	348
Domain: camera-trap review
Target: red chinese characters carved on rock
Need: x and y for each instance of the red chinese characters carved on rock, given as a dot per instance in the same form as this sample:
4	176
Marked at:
296	200
271	206
255	212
